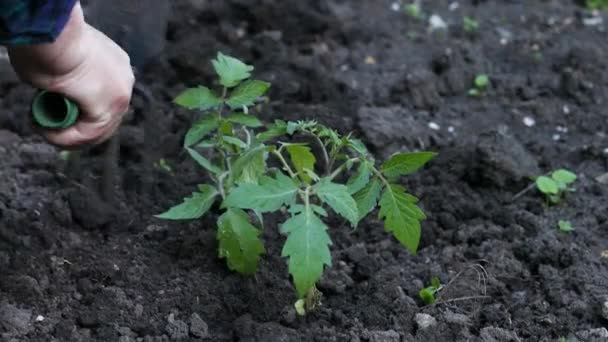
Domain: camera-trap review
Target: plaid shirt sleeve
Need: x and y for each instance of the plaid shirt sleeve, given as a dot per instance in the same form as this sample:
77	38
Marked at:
33	21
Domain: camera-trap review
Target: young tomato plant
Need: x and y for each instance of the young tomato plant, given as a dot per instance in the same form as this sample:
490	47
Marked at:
428	293
557	185
480	84
298	168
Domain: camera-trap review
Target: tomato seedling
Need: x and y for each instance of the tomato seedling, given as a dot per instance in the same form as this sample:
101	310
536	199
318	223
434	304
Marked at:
298	168
555	186
428	293
480	85
469	24
565	226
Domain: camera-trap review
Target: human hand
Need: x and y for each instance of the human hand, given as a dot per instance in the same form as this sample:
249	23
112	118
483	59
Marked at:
89	68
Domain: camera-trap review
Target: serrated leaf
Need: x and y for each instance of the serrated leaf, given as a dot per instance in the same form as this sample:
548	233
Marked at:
246	93
192	207
360	179
231	70
239	241
202	161
564	176
276	129
405	163
270	195
234	141
547	185
358	146
201	98
302	158
401	216
367	198
245	120
245	159
307	248
331	134
292	127
200	129
338	198
254	169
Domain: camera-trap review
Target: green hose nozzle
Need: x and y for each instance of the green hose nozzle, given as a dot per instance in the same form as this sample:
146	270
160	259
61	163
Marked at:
54	111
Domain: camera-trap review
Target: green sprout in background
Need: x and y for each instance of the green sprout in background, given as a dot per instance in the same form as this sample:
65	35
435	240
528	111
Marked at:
414	10
470	25
597	4
565	226
301	169
428	293
557	185
480	84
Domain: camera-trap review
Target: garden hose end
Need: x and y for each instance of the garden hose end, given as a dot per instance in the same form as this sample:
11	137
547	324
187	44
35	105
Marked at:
54	111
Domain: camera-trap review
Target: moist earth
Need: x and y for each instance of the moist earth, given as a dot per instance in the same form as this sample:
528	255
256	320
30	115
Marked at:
72	269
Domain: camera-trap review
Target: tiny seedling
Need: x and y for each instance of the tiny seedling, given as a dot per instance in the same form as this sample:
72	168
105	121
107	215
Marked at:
428	293
557	185
470	25
565	226
414	10
480	85
162	164
298	169
597	4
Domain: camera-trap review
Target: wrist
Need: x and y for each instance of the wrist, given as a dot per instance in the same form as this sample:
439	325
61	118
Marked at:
49	60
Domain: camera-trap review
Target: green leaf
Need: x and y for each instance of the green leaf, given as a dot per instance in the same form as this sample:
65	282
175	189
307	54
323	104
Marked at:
547	185
338	198
277	129
245	120
230	70
302	158
270	195
427	295
254	169
564	176
198	98
435	282
367	198
482	81
307	248
234	141
193	207
358	146
246	93
360	179
405	163
202	161
565	226
239	241
245	159
401	216
200	129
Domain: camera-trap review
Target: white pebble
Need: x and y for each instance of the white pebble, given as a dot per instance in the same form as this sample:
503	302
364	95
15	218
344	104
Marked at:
434	126
454	6
39	318
606	151
556	137
561	129
593	21
451	129
437	23
504	41
395	6
529	121
566	109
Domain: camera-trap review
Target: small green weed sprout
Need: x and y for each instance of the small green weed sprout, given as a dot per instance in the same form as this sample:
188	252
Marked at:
557	185
414	10
297	168
480	84
428	293
565	226
597	4
469	24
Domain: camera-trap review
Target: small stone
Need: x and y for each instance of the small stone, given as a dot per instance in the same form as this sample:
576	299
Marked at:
529	121
434	126
451	129
598	334
177	329
395	6
494	334
605	308
424	321
370	60
454	6
456	318
566	109
139	310
39	318
437	23
384	336
556	137
198	327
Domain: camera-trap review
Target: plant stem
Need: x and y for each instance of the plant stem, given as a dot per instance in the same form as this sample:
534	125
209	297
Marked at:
224	94
278	154
379	175
324	150
342	167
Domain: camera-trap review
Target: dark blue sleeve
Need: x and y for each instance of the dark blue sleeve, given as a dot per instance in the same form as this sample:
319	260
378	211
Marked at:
33	21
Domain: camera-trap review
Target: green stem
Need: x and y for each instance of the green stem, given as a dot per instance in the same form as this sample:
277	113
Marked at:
343	167
380	176
286	167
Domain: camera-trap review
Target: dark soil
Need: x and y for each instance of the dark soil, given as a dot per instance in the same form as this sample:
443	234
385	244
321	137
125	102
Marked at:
72	270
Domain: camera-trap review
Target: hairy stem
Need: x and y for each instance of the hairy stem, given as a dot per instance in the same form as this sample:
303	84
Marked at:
286	166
